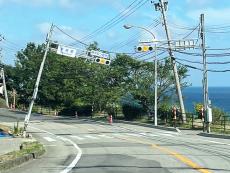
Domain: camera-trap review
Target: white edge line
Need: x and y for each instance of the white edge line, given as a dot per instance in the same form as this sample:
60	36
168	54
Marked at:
77	158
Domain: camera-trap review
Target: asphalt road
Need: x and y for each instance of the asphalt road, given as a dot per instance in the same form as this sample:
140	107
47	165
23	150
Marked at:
84	146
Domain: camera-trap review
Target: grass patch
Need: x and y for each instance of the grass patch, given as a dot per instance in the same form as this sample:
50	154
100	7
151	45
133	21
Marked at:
27	148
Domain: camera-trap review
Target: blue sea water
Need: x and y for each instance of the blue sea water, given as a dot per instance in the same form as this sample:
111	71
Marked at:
219	96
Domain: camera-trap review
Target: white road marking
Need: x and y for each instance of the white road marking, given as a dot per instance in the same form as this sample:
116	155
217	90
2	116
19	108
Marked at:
133	134
143	134
90	137
166	134
49	139
90	129
118	134
77	158
77	137
217	142
50	145
154	135
105	136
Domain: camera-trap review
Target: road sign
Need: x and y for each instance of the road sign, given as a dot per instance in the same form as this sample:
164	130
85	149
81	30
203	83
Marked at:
66	51
99	54
184	44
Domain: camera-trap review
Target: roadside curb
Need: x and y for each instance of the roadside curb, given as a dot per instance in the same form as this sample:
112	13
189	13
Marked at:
8	164
151	126
213	135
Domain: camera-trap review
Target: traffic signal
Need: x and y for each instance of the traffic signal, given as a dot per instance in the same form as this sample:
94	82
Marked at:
53	46
102	61
144	48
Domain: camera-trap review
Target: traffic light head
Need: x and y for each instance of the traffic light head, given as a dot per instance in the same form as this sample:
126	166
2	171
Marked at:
144	48
102	61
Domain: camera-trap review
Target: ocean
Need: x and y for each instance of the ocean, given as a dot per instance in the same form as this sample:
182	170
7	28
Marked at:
219	96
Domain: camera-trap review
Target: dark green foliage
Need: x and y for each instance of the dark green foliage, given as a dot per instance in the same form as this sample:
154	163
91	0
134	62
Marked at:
131	107
85	110
70	82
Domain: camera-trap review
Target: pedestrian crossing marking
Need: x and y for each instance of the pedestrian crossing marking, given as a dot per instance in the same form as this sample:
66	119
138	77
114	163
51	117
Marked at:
105	136
90	137
77	137
49	139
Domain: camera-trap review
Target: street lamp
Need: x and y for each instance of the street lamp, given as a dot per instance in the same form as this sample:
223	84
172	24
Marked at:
155	60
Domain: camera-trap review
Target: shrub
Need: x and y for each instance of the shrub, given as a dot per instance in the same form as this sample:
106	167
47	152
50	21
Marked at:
131	107
84	110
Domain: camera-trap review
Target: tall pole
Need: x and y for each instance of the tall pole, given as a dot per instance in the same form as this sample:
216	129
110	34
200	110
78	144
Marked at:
155	100
4	87
205	74
14	98
27	117
177	80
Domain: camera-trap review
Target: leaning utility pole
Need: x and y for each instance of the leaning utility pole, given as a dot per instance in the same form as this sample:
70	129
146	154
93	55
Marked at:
27	117
205	74
4	87
161	6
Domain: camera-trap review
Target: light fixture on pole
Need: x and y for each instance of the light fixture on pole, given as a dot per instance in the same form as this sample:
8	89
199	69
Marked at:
155	61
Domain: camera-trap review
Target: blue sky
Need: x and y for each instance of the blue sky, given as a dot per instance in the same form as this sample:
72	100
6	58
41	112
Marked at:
23	21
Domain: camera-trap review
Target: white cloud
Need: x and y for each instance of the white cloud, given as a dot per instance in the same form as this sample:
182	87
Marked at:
67	3
44	27
199	3
30	2
212	16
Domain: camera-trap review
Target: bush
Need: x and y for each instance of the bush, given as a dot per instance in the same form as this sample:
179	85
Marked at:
85	110
131	107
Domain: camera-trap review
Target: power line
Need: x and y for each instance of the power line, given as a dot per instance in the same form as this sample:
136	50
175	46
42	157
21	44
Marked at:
132	39
61	30
112	22
107	23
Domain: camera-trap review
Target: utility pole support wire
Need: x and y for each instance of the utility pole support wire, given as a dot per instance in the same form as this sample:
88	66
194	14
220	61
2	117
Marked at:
27	117
177	80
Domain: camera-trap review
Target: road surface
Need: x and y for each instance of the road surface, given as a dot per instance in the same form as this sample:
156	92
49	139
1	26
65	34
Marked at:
84	146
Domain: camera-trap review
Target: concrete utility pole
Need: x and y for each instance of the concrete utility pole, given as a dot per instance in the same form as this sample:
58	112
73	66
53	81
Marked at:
155	86
155	61
14	98
4	87
205	73
162	7
27	117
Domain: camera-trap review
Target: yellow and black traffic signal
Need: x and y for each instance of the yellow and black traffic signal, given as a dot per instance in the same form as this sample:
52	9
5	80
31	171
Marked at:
102	61
144	48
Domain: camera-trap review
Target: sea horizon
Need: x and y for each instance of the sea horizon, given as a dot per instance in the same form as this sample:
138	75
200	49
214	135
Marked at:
219	96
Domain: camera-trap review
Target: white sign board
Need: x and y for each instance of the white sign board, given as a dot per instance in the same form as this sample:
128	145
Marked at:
66	51
99	54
